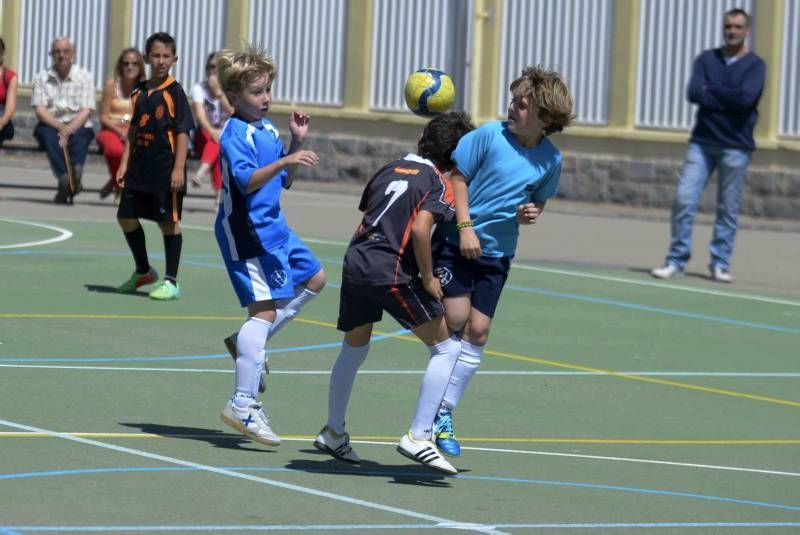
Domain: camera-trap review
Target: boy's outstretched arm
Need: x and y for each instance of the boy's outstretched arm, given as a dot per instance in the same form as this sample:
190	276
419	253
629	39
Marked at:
177	178
470	244
421	238
298	124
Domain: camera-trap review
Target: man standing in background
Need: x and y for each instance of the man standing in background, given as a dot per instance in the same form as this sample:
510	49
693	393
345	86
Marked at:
726	84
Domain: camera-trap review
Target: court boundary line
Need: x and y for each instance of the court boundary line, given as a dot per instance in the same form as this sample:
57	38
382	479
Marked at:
265	481
502	354
528	267
63	236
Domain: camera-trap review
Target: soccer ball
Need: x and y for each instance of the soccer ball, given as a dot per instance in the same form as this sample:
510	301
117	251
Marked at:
429	92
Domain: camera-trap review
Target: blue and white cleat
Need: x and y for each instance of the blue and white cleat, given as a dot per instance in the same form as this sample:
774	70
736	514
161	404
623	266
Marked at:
444	433
251	421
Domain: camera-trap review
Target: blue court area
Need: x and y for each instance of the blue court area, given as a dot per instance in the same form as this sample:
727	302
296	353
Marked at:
607	402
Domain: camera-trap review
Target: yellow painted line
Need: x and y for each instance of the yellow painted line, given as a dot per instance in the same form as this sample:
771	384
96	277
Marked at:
689	386
511	356
518	440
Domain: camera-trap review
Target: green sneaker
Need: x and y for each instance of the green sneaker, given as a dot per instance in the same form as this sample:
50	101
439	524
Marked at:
136	280
166	291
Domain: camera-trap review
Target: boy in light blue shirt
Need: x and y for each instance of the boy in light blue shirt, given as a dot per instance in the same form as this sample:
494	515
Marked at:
272	271
504	174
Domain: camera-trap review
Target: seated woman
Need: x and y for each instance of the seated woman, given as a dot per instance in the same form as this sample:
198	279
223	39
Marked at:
211	109
116	110
8	97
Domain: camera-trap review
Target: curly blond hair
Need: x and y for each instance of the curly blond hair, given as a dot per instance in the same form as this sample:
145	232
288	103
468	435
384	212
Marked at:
547	90
236	69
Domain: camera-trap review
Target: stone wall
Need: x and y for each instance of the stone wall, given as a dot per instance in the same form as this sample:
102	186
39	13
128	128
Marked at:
769	192
589	174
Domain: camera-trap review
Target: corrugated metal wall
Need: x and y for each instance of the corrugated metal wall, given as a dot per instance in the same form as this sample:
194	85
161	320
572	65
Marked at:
307	39
570	36
83	21
790	71
412	34
198	27
671	35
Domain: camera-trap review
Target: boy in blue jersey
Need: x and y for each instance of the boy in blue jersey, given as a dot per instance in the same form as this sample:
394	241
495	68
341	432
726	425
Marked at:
272	270
504	174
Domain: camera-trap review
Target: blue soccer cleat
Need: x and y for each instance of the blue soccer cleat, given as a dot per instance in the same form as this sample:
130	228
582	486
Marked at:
444	433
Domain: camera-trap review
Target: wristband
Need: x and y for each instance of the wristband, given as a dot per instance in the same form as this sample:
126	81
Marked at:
463	225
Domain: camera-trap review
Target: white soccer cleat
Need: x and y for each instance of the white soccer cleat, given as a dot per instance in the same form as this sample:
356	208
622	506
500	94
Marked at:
336	445
667	271
250	421
425	452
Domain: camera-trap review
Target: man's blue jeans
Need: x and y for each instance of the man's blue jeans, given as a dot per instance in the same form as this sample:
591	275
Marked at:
78	147
701	160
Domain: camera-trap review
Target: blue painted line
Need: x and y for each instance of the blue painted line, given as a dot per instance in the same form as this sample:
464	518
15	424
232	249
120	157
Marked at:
658	310
524	289
569	484
271	351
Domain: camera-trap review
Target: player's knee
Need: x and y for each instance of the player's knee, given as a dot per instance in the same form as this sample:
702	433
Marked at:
318	281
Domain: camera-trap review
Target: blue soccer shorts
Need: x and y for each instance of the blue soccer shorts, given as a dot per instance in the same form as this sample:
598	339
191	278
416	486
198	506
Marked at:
482	279
274	274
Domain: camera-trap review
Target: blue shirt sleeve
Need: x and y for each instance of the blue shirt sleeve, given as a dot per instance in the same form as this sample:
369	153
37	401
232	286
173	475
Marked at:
242	158
472	149
696	91
548	187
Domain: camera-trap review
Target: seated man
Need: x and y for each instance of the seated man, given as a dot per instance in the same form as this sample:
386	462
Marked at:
63	98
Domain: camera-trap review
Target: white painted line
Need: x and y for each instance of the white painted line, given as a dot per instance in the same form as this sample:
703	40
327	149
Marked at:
248	477
64	234
569	273
653	284
777	375
602	458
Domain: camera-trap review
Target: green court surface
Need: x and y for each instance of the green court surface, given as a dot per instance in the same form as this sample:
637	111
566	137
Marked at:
605	403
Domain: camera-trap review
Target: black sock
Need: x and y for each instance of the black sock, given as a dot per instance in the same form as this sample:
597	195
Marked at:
172	252
136	242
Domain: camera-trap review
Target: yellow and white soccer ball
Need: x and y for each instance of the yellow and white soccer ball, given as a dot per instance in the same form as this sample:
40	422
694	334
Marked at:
429	92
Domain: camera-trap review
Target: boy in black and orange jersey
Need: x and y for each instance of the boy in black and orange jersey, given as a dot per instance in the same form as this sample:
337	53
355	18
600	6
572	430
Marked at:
388	267
153	168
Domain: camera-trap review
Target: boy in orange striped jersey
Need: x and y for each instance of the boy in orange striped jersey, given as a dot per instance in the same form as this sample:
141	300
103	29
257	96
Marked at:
153	168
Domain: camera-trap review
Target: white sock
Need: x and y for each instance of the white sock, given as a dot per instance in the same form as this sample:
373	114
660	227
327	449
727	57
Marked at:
250	348
287	309
465	369
440	367
343	375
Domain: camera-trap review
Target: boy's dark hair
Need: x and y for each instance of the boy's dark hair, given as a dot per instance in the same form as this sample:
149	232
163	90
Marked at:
440	137
161	37
2	45
738	11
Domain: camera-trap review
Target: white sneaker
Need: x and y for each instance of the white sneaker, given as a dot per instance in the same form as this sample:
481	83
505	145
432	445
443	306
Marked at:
667	271
721	274
250	421
336	445
425	452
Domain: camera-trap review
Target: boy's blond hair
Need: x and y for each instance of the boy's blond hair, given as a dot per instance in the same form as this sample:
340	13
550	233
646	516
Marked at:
236	69
547	90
